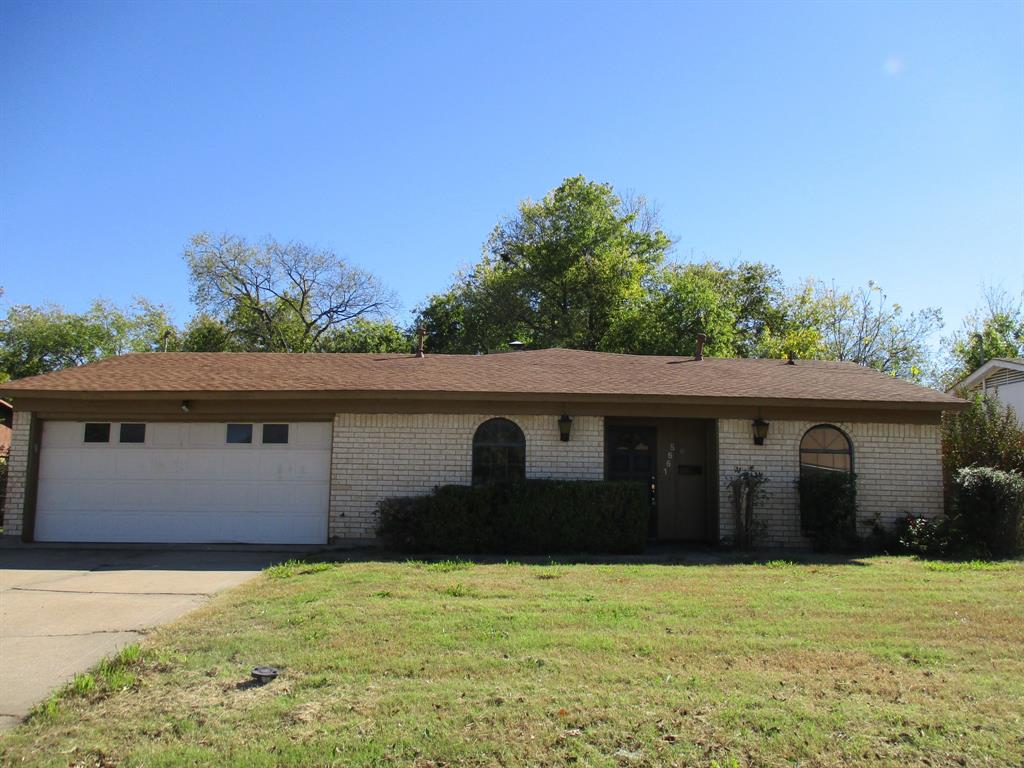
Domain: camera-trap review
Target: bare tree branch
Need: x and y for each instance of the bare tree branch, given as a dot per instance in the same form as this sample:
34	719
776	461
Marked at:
281	296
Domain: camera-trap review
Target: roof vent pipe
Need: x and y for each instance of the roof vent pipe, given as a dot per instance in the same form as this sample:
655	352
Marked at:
421	332
699	353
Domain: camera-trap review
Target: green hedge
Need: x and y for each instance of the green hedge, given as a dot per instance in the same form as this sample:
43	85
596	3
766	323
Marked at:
828	508
988	510
533	517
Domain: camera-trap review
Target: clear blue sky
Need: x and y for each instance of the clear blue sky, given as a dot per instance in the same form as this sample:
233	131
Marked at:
848	141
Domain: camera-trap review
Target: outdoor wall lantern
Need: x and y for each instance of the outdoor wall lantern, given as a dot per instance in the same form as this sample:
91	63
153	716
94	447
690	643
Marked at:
564	427
760	431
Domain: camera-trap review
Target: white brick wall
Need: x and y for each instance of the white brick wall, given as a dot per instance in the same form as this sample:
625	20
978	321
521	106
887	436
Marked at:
376	456
17	467
898	466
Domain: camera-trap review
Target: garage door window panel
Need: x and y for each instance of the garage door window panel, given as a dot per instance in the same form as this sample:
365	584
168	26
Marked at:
275	434
97	433
239	434
132	433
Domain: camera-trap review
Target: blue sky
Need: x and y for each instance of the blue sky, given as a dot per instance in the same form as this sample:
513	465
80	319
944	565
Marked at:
847	141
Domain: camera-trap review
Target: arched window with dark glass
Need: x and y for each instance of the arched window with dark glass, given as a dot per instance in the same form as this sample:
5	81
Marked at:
499	452
825	448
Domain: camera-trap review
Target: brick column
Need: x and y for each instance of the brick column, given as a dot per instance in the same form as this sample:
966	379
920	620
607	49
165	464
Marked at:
17	471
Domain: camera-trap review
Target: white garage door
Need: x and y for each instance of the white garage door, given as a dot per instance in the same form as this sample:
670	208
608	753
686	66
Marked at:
197	482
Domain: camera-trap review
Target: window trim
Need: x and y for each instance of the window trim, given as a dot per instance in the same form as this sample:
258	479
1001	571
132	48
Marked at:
826	451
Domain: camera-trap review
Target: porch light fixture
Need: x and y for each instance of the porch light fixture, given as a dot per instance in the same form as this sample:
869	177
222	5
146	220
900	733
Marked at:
185	406
760	431
564	427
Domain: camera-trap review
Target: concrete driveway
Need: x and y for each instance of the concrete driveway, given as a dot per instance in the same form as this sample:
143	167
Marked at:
62	610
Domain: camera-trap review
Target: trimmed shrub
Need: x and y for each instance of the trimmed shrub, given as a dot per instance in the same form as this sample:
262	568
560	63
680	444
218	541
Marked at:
988	510
532	517
828	509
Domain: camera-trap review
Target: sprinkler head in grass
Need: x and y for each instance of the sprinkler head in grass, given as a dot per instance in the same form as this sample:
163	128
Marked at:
263	675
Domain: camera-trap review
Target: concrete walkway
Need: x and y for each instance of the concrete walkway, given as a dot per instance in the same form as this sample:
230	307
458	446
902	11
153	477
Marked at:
61	611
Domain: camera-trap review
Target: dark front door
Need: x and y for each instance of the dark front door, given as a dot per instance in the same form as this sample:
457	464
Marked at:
631	455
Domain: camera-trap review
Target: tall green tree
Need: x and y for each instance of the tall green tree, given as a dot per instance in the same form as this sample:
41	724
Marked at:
364	335
684	300
985	434
282	297
995	329
35	340
863	326
204	334
555	274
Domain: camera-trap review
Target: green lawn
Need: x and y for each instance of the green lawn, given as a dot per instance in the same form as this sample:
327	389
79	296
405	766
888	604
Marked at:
876	661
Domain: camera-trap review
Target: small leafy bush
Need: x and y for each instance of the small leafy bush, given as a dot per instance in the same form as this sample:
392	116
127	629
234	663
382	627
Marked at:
748	493
531	517
924	536
828	509
988	509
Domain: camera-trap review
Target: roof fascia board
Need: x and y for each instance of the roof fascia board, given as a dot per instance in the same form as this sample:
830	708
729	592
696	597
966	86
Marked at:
982	373
450	396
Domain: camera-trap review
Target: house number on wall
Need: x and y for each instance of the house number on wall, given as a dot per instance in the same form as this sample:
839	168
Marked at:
668	458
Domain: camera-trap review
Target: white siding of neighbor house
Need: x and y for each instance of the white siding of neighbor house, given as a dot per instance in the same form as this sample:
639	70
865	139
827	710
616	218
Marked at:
377	456
1008	388
898	467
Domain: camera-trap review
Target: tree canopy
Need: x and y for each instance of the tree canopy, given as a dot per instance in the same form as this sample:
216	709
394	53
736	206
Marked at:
280	297
554	275
995	329
35	340
585	267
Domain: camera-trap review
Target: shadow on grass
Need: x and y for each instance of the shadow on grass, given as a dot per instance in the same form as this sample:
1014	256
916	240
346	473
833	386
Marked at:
654	555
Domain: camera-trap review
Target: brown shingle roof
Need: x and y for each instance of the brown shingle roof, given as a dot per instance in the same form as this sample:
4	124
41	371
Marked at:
562	372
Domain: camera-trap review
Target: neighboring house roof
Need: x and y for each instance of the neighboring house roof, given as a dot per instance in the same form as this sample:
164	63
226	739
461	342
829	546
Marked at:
562	372
1013	365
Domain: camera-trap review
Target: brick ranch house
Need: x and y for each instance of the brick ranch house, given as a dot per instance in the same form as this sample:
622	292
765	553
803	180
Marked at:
299	448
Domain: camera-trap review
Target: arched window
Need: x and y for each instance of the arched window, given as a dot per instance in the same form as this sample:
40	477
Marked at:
825	448
499	452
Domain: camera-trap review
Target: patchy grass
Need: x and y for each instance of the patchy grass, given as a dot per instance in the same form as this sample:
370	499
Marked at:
290	568
883	661
968	565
